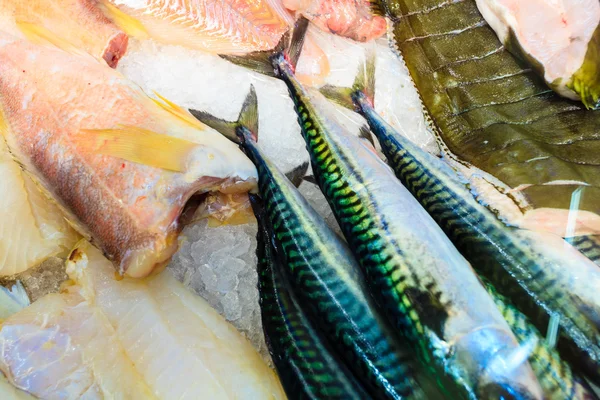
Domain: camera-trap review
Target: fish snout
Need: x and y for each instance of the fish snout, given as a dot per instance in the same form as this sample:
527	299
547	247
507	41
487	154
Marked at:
497	365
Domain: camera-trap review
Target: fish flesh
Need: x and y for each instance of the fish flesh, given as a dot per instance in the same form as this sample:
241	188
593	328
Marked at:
219	27
421	283
555	375
131	339
496	114
559	39
306	367
321	271
80	22
31	228
349	18
121	166
524	265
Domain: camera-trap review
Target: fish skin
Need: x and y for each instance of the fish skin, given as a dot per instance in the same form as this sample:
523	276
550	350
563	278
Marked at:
516	261
220	27
492	111
78	21
325	278
588	245
306	367
345	187
531	267
555	376
53	101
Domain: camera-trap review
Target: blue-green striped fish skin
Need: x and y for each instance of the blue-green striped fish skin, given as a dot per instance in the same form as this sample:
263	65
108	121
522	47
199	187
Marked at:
544	274
305	366
588	245
554	374
416	275
324	276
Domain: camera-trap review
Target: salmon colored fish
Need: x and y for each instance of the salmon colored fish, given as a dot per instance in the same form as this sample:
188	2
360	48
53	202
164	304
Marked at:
350	18
121	165
220	27
79	21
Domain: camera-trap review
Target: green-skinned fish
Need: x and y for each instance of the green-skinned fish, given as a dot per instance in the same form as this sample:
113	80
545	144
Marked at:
543	274
305	366
420	281
559	39
546	276
589	245
495	113
322	272
555	376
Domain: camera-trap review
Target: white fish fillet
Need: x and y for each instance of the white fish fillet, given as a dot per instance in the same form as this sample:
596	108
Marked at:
31	228
129	339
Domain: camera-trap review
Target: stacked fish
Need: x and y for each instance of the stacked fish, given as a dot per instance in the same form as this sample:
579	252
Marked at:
429	295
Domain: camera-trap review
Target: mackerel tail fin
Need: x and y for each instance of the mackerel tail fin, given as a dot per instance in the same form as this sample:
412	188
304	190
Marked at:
363	86
289	47
245	128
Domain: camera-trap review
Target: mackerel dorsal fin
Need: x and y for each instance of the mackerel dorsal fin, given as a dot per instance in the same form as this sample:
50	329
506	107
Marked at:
138	145
126	23
248	118
260	61
364	83
297	175
249	113
365	133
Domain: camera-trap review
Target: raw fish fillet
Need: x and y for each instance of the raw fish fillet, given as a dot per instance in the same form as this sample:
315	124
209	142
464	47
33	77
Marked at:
559	38
350	18
121	165
31	228
79	21
129	339
220	27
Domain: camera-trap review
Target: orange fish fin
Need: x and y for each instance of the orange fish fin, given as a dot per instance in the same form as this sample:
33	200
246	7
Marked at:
126	23
177	111
138	145
41	35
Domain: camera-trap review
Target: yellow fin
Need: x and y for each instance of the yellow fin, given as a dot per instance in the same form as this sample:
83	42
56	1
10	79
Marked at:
177	111
40	35
126	23
138	145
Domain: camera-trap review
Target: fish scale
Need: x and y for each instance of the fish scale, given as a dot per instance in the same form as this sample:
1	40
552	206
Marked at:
589	245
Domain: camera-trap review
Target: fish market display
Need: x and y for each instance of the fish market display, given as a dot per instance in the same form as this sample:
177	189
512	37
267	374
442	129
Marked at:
393	239
349	18
321	270
220	27
80	22
523	264
121	165
130	339
495	113
307	369
31	228
559	39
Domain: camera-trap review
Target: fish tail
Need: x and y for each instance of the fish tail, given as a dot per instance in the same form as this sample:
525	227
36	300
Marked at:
363	86
289	48
240	131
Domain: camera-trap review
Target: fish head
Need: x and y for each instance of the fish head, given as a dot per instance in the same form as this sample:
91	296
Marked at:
495	365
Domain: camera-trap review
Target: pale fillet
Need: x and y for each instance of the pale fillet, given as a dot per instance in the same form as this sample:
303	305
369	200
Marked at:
216	26
554	33
78	21
129	339
60	111
349	18
31	227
